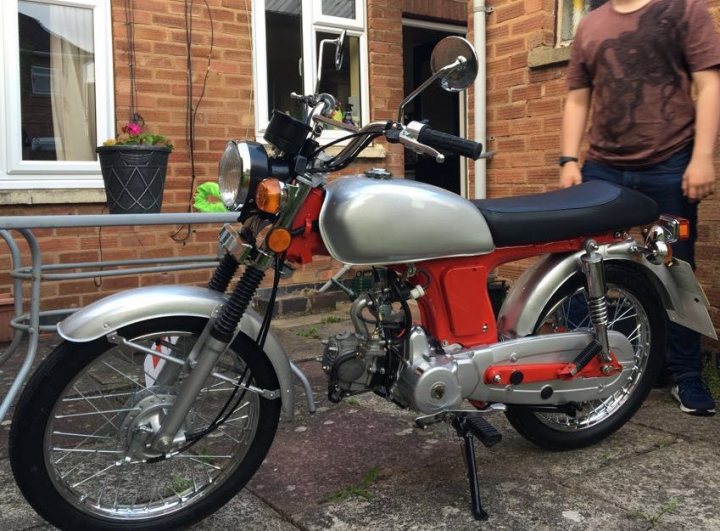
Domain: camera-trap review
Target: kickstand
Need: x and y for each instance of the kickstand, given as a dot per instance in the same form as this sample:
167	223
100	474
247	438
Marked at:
467	428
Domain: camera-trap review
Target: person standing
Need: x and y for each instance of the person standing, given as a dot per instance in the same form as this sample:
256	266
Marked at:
650	68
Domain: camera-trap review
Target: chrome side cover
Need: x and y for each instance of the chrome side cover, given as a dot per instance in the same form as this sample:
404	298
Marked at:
435	383
132	306
366	221
677	286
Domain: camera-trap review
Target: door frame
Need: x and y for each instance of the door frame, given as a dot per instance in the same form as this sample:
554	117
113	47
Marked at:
461	31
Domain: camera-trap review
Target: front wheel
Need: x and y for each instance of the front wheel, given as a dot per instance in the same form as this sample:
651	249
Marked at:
79	445
633	309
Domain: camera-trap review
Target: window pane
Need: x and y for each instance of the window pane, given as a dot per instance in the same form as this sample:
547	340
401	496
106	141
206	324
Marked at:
345	83
283	30
57	82
339	8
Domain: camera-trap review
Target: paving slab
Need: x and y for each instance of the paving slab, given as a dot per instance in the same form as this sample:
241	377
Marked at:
433	497
362	465
677	485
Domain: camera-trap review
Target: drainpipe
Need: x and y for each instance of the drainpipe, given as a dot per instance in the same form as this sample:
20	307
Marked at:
479	15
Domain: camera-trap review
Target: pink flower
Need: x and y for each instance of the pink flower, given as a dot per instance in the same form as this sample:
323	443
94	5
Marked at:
133	128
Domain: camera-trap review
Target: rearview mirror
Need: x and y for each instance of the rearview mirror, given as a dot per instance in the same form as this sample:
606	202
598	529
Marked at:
454	65
340	50
448	51
339	44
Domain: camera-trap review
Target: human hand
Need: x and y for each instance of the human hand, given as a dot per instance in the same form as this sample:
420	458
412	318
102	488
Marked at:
699	179
570	175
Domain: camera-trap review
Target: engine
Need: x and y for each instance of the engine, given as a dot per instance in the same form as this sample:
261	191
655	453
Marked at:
352	365
370	357
388	355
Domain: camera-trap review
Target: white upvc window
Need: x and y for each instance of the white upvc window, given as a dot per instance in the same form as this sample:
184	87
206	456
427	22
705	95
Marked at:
287	35
569	13
56	92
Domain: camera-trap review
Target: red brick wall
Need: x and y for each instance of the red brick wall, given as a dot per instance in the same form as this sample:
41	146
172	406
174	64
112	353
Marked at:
226	111
524	113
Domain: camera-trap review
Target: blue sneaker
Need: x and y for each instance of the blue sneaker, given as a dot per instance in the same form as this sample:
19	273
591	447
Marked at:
694	397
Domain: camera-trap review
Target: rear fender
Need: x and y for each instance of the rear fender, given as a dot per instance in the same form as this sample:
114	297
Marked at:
129	307
676	286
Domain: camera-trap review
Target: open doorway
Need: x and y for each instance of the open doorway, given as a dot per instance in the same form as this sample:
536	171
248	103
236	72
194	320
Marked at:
443	110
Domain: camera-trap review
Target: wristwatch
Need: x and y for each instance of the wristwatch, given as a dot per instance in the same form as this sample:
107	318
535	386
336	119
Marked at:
564	160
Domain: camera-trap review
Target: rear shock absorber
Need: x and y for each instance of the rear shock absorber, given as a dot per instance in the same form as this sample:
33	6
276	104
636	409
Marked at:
594	270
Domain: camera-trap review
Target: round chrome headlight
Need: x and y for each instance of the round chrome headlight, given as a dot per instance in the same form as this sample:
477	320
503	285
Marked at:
234	174
241	167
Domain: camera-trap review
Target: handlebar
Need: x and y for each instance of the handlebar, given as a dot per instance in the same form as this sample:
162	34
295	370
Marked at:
415	135
450	143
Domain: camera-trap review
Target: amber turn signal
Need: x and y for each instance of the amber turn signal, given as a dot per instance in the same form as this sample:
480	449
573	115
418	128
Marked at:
278	240
683	229
269	196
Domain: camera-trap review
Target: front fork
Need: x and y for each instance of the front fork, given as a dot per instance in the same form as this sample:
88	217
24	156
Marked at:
221	334
223	329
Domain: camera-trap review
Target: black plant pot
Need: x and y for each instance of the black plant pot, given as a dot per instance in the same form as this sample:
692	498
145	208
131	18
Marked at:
134	177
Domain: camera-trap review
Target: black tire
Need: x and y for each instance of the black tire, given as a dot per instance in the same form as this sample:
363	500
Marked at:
598	419
57	432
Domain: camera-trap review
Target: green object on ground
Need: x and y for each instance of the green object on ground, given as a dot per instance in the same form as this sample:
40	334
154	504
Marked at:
207	198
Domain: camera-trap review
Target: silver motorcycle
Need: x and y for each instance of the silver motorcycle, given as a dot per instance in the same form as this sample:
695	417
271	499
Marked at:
162	402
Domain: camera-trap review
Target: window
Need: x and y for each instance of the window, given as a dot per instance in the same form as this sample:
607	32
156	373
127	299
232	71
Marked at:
287	37
569	14
56	100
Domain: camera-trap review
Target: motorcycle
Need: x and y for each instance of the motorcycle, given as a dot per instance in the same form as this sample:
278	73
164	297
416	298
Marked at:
162	402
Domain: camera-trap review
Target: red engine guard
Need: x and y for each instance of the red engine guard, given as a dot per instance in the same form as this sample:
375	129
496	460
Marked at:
309	242
542	372
456	306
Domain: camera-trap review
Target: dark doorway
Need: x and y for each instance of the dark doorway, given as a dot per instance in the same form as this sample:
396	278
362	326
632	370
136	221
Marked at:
440	108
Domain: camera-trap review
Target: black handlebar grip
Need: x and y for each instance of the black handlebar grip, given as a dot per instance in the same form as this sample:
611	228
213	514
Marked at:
447	142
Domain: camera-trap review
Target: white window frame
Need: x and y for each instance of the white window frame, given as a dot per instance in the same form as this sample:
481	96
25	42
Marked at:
560	17
312	22
358	22
18	174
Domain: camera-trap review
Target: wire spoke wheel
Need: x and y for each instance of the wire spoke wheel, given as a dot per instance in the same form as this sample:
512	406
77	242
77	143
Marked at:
96	441
635	311
626	315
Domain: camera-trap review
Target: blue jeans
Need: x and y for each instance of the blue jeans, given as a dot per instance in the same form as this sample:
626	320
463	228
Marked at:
663	183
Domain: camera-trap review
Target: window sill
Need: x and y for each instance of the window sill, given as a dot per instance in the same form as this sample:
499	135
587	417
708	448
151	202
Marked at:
544	56
52	197
370	152
375	151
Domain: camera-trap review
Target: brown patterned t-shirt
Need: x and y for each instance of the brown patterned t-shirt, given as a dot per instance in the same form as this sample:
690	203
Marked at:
639	67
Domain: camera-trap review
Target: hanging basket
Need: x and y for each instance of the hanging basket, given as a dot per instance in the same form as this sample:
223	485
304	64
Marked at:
134	177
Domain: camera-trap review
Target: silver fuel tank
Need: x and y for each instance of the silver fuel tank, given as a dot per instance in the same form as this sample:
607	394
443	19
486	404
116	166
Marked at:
369	221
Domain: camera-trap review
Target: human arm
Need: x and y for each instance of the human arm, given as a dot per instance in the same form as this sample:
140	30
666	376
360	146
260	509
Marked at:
699	178
574	120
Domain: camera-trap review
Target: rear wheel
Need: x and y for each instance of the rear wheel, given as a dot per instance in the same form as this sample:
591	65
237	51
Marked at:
633	309
80	436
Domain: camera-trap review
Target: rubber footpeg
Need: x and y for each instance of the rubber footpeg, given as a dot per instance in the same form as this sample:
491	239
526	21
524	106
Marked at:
484	431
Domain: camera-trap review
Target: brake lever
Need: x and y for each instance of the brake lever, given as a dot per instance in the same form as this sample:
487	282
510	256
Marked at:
407	140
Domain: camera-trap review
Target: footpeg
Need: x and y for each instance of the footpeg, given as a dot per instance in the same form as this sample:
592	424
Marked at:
483	430
588	353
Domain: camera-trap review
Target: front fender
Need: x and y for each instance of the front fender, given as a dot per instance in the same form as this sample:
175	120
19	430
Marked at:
128	307
677	287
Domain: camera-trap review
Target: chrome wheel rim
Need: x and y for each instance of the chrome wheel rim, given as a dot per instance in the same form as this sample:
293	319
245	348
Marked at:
625	314
89	437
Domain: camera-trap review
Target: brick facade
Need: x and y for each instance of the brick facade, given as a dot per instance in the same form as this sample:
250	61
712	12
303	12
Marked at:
524	110
226	111
524	113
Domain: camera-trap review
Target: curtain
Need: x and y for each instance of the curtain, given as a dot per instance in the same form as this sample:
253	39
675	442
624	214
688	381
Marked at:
72	80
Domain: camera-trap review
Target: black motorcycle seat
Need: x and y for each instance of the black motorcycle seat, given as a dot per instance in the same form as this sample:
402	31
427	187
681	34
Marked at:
594	207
